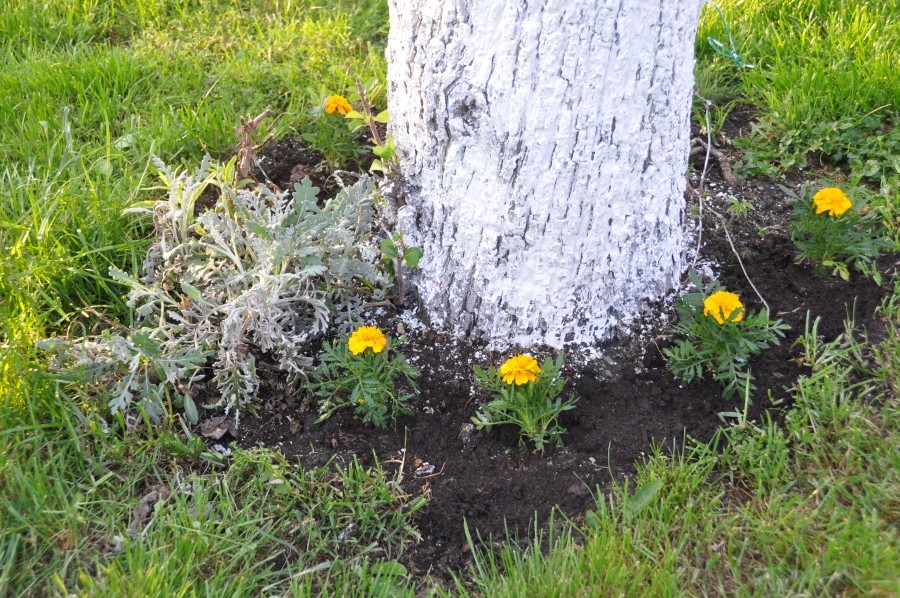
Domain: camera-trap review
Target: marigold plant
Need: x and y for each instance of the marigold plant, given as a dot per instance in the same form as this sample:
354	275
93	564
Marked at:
339	104
326	133
832	232
526	395
520	370
367	337
831	200
362	372
720	337
724	307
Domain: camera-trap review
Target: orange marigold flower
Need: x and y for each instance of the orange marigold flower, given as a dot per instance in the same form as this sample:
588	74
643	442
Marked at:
831	200
721	305
367	337
519	370
337	104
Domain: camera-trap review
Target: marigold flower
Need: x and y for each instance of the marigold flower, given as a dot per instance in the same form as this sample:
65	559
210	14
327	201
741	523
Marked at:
831	200
367	337
721	305
337	104
519	370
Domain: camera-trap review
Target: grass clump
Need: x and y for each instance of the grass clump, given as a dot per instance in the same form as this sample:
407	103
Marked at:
261	524
823	82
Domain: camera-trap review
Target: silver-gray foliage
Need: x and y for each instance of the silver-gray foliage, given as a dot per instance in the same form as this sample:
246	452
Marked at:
259	272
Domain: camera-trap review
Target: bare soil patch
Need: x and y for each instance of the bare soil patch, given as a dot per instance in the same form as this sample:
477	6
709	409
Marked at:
627	399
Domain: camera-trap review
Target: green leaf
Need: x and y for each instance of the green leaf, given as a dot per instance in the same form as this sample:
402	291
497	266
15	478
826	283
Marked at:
377	166
412	255
389	568
639	501
381	117
257	229
389	249
146	344
190	409
353	114
382	151
192	292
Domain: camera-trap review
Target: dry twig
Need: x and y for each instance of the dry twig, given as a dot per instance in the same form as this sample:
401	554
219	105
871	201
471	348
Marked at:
247	146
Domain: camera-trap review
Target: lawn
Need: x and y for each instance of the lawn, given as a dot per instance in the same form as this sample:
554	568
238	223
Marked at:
804	500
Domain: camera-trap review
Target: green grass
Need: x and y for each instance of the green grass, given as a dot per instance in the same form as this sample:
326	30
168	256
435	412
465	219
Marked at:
262	522
94	88
824	81
99	87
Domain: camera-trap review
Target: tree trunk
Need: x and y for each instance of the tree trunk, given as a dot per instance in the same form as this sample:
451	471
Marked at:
543	146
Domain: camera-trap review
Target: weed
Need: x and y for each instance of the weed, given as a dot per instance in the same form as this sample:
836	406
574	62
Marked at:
259	272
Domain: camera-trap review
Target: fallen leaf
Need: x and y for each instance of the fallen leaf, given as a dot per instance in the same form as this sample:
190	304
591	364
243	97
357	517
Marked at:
215	427
143	509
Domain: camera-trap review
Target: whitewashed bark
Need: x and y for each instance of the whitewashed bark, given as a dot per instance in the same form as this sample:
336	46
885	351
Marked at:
544	148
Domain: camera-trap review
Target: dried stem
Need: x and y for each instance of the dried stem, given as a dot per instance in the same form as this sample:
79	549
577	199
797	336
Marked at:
737	255
698	145
367	108
702	190
247	146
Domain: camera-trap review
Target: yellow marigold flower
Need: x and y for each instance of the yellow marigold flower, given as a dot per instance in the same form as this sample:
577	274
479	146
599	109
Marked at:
337	104
367	337
831	200
721	305
519	370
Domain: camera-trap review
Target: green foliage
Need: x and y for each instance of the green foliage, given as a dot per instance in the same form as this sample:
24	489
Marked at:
805	507
740	208
393	250
257	272
328	133
867	148
719	350
534	407
345	510
853	239
823	82
385	150
367	382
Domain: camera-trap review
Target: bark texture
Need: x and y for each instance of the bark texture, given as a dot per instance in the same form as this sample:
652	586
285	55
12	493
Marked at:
543	147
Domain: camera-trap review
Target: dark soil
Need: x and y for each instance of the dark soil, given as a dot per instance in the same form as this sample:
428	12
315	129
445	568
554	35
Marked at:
627	399
288	161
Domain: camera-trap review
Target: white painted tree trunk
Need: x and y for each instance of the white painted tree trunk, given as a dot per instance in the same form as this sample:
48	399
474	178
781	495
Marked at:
544	148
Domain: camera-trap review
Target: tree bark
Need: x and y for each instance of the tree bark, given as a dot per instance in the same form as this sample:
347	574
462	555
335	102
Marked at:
543	148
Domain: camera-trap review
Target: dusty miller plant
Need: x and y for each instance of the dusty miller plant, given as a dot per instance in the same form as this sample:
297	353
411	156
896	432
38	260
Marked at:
257	273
